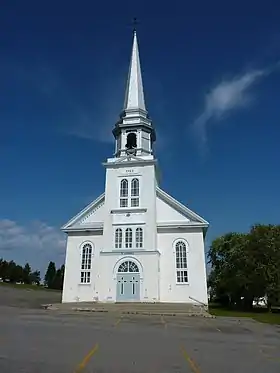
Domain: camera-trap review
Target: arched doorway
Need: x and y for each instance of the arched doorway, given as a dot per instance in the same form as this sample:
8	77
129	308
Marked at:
128	282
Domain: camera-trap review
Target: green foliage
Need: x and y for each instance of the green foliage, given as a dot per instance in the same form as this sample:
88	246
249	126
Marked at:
54	278
264	317
246	267
12	272
50	275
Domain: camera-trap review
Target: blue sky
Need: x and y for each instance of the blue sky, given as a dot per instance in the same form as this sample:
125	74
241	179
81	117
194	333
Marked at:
212	83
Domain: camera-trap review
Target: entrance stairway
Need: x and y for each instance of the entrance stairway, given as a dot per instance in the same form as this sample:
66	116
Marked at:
164	309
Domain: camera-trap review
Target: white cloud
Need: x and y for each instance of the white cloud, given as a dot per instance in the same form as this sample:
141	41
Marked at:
35	242
225	97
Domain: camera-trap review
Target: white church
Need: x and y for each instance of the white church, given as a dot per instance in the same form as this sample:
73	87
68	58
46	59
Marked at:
135	243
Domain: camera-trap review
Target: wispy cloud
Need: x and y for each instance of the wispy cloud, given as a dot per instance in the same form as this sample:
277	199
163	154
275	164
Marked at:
225	97
35	242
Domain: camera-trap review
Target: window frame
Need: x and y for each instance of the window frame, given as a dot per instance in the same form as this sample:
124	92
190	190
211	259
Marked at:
118	238
181	262
130	199
139	238
124	193
128	238
135	192
86	262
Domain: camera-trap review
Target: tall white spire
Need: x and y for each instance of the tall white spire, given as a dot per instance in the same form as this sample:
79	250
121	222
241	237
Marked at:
134	95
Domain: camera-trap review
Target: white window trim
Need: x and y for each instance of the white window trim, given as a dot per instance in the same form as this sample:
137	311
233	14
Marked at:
141	235
86	271
175	259
128	192
129	241
121	230
129	196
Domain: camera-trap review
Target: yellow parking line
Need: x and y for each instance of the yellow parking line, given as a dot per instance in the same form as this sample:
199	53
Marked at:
86	359
117	322
192	364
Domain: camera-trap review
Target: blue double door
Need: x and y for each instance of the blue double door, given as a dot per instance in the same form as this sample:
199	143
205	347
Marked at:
128	287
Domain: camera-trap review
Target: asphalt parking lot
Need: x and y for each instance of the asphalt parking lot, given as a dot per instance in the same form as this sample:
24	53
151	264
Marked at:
39	341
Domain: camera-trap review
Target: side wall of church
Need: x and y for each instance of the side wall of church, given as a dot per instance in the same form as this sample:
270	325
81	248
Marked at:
196	287
73	289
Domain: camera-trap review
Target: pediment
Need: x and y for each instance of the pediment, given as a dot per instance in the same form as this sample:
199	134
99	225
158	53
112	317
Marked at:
169	210
91	216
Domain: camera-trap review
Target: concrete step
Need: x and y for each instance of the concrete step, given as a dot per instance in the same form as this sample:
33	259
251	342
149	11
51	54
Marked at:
164	309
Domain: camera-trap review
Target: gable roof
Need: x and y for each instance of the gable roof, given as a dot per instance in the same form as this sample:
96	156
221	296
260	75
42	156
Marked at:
82	214
179	207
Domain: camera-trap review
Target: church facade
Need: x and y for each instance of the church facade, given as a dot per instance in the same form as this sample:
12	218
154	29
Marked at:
135	243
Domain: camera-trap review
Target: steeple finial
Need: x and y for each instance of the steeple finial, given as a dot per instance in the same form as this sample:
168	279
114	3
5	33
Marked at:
134	96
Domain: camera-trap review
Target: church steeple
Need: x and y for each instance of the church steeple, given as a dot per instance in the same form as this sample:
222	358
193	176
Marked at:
134	132
134	95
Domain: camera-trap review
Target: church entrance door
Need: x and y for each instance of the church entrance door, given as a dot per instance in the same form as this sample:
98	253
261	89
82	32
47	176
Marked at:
128	282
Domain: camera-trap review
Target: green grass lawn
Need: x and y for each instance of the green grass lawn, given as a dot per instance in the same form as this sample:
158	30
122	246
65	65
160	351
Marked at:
265	317
26	286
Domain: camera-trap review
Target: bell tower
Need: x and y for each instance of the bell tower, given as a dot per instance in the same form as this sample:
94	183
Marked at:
134	133
131	174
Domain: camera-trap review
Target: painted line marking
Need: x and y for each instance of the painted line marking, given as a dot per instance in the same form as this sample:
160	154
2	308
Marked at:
86	359
117	322
209	324
164	323
192	364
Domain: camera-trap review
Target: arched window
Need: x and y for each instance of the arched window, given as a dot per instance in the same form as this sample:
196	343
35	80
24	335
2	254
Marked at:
86	263
181	262
128	266
128	238
124	193
139	237
134	193
131	140
118	238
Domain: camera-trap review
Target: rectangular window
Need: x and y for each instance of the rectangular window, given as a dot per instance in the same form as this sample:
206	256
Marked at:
123	202
85	277
182	276
134	202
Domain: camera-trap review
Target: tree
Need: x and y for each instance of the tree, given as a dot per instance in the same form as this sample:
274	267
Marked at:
58	280
265	241
12	272
35	277
4	270
26	274
246	266
16	272
50	275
